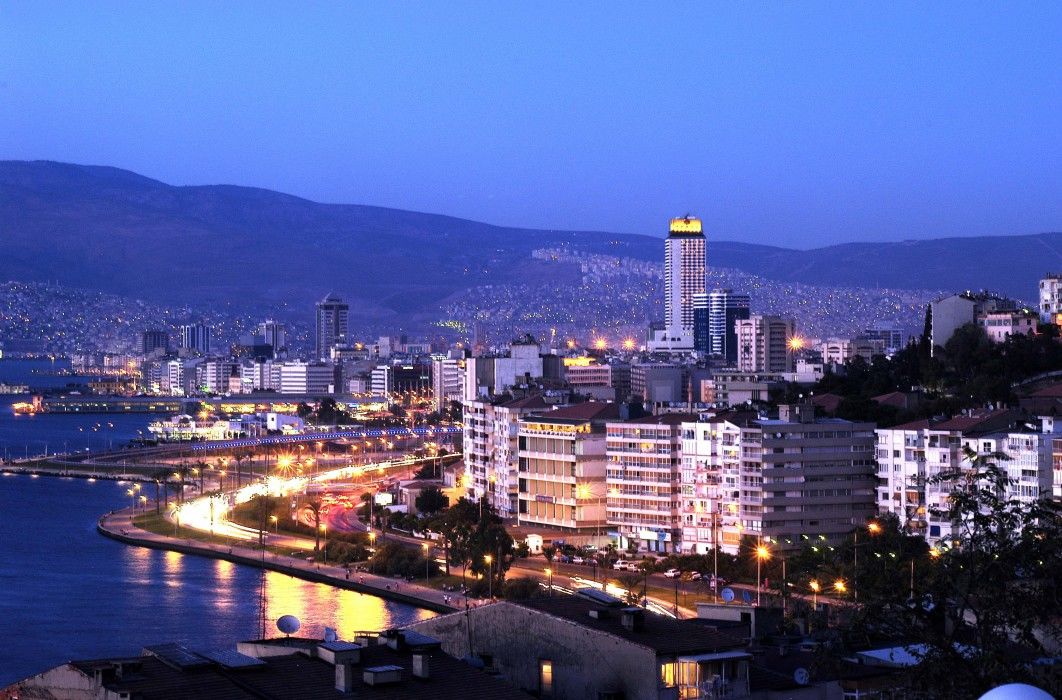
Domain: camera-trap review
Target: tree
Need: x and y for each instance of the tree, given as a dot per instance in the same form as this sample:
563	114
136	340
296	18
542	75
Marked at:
631	583
521	589
986	606
549	552
262	507
431	500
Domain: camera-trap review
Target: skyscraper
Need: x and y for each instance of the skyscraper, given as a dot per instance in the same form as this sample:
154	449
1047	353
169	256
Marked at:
151	341
196	338
724	309
684	277
331	329
275	335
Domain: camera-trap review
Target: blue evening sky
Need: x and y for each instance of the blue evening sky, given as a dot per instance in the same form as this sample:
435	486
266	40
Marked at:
791	123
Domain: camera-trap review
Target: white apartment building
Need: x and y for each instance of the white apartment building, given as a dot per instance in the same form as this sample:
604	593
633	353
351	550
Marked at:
562	469
999	325
763	343
910	456
447	381
786	478
213	376
837	351
487	375
1051	299
643	457
382	380
490	449
310	379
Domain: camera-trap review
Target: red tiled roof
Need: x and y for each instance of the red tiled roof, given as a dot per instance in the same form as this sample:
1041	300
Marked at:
827	402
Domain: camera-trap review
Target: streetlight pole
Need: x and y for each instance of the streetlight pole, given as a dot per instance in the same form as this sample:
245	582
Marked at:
490	575
427	561
549	577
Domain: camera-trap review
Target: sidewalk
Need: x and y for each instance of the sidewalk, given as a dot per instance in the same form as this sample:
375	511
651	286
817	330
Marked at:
119	526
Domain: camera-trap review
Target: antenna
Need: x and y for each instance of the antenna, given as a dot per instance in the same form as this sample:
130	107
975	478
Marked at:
288	624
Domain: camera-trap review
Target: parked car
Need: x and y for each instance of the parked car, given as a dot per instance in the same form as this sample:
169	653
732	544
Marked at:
578	560
691	576
672	573
622	565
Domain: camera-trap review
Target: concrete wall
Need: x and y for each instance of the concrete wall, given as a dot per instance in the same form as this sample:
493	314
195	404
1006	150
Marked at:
585	661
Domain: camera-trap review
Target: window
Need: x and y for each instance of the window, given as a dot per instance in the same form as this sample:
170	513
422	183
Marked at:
545	678
669	674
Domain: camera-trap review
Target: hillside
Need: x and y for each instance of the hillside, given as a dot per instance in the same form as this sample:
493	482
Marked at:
118	232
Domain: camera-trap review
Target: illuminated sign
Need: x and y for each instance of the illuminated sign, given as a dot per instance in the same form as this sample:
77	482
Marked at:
685	225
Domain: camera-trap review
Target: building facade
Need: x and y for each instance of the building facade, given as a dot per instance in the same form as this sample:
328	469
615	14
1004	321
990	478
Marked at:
561	468
331	327
643	457
684	278
195	338
763	343
1051	299
788	478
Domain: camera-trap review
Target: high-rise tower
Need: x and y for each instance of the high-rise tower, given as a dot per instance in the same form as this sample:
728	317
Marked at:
331	329
684	277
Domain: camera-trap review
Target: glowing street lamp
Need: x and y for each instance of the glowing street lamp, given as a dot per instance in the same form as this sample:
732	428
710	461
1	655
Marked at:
549	577
762	554
628	344
873	528
427	561
276	524
795	343
600	344
840	586
814	585
487	559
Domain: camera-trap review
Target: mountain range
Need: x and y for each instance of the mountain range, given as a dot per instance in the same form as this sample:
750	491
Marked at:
118	232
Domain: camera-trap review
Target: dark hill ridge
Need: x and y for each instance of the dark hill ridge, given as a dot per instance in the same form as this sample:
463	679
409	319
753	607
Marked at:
119	232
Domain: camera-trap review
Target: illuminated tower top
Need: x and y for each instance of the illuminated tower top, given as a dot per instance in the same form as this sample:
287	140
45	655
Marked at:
686	226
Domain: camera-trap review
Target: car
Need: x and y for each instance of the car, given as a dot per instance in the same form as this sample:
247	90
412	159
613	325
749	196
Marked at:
691	576
621	565
672	573
578	560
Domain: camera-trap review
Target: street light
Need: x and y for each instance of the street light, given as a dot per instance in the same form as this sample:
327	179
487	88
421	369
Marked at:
549	576
840	586
814	593
490	575
276	524
427	561
762	554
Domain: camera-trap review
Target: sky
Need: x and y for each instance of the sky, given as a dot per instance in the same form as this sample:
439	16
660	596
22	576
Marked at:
798	124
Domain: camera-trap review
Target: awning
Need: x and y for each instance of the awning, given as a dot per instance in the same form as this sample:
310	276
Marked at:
718	656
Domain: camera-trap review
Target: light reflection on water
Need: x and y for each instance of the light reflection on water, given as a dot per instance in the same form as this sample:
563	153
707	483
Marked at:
69	593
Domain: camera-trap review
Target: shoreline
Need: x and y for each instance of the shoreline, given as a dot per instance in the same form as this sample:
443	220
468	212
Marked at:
118	526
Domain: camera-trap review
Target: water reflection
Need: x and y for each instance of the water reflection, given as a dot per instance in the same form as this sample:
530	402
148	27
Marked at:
70	593
318	606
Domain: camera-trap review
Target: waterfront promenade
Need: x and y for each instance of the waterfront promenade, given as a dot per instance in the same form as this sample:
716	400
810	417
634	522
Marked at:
118	525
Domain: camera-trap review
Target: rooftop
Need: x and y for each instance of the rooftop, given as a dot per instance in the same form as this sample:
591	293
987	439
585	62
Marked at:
665	635
590	410
176	672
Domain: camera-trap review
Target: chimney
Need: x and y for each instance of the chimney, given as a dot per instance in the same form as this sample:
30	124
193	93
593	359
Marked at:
345	677
422	666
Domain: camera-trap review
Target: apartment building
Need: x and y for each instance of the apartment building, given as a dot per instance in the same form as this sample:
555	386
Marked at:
1000	325
642	475
562	468
763	343
785	478
447	381
490	449
911	456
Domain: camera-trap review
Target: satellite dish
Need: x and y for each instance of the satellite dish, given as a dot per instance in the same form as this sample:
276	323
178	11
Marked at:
801	676
330	635
747	597
288	624
728	595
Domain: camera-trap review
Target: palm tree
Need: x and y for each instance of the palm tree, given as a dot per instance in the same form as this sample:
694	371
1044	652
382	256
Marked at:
315	507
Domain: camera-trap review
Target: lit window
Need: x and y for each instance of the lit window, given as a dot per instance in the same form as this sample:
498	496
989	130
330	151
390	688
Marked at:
545	677
668	672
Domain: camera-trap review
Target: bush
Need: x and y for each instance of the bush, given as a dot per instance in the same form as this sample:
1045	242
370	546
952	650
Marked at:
521	589
392	558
